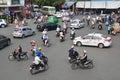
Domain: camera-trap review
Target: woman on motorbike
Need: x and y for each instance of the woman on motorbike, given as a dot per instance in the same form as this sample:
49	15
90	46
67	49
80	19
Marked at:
45	39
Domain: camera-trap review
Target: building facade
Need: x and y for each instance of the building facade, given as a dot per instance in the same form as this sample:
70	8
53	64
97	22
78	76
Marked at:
14	6
98	4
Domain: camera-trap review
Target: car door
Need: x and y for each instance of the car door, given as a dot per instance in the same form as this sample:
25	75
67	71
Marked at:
95	40
24	31
29	31
48	26
53	26
86	40
3	41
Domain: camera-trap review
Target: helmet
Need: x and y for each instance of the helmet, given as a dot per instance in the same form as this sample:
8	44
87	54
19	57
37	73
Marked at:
39	48
72	46
45	29
84	51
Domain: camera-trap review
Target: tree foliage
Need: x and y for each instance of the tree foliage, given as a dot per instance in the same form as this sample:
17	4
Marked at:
48	2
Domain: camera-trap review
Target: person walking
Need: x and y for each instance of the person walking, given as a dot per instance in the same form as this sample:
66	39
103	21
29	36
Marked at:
109	29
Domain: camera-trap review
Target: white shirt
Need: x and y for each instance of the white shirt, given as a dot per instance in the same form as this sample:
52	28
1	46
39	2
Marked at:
44	32
37	60
58	29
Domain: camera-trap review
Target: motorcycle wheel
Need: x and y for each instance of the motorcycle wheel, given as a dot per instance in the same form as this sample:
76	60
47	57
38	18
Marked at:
74	66
46	67
11	57
32	71
25	57
90	65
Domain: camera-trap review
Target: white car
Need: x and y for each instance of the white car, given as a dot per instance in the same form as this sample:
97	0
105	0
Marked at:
93	39
23	32
3	23
76	23
66	18
58	14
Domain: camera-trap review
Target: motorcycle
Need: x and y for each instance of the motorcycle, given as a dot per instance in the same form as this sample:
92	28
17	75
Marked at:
57	33
72	36
77	64
47	43
62	38
100	27
36	69
23	56
71	60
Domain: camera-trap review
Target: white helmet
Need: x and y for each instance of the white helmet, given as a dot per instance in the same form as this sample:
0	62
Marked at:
84	51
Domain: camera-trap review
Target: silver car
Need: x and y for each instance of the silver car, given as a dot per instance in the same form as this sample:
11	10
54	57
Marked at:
76	23
23	32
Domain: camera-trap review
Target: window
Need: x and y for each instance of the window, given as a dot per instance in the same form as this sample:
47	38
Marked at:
24	29
15	1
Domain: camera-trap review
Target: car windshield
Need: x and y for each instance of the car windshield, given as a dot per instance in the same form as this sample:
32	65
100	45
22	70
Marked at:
73	22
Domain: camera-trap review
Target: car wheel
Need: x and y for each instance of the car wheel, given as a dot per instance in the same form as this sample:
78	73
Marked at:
100	45
23	36
79	44
2	25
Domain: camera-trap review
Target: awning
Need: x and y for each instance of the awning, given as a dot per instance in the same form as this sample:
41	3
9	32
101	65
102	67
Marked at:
68	4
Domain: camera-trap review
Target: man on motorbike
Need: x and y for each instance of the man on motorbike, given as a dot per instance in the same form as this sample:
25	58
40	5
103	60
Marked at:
73	54
72	33
45	38
83	57
38	62
39	52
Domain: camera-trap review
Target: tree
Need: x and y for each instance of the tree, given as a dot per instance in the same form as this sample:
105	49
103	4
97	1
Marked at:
48	2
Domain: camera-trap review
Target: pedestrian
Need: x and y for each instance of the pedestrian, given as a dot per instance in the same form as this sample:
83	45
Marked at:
109	29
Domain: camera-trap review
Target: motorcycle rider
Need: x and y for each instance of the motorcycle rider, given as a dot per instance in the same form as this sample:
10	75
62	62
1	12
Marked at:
32	44
73	54
44	31
58	29
65	26
39	52
72	33
83	57
38	62
62	34
45	38
19	51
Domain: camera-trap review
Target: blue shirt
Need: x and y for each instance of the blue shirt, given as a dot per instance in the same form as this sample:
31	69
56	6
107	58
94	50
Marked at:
108	28
39	53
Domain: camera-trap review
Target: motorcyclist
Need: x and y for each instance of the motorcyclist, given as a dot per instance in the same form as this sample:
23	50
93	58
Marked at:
38	62
44	31
62	34
32	44
19	51
65	26
39	52
45	38
83	57
73	54
58	29
72	32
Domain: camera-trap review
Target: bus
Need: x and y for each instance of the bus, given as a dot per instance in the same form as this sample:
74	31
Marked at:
48	10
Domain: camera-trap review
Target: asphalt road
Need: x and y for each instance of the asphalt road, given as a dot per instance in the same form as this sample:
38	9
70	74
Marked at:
106	61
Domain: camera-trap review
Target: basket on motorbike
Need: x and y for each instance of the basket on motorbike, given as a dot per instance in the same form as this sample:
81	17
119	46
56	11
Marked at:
115	28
